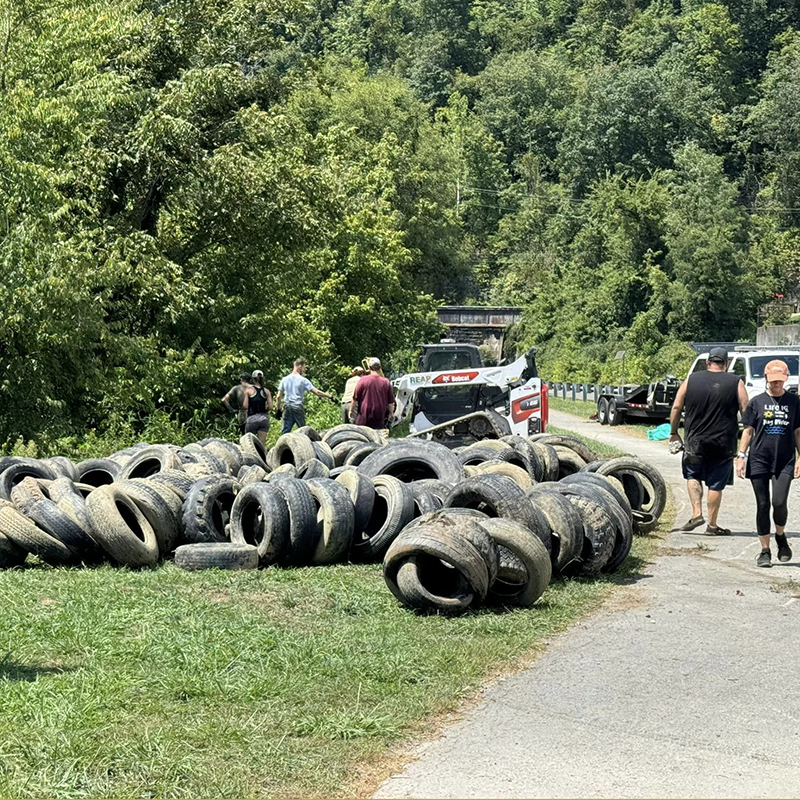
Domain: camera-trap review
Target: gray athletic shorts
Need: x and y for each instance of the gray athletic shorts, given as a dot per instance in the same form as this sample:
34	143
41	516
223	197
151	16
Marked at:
256	423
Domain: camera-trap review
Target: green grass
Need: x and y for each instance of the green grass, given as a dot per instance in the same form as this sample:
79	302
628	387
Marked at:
603	450
579	407
635	427
117	683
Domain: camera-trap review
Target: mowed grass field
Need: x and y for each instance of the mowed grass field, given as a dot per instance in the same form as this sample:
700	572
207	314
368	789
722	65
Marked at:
278	683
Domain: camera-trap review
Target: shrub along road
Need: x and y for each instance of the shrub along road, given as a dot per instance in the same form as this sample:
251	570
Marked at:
687	687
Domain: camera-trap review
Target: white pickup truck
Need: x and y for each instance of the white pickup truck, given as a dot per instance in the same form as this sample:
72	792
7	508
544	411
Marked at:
749	363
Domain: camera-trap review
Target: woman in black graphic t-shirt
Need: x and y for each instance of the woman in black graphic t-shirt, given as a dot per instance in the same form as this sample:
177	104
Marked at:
772	432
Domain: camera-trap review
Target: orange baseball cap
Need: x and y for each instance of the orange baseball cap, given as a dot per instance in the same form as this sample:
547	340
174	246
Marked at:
776	371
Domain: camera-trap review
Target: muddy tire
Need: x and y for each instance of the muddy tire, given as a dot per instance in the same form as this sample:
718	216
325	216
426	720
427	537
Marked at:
217	555
227	452
438	489
120	528
21	469
292	449
623	538
310	433
477	454
340	433
520	476
496	496
432	569
260	517
62	467
343	449
251	445
565	525
324	454
413	462
599	537
27	492
207	508
619	467
53	520
569	462
335	521
529	455
360	453
571	442
362	495
425	501
11	554
66	495
27	536
529	550
157	511
303	531
392	510
549	459
312	469
605	483
177	480
465	522
214	464
252	474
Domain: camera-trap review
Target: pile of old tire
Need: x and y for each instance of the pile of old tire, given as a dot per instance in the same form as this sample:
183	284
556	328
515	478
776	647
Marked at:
150	502
132	508
342	494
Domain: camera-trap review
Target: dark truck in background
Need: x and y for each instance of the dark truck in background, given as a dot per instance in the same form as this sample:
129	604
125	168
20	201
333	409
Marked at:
652	401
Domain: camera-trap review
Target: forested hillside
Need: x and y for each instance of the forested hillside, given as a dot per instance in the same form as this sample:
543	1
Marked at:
193	187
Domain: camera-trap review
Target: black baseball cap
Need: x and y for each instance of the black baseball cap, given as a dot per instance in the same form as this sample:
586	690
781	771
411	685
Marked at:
718	354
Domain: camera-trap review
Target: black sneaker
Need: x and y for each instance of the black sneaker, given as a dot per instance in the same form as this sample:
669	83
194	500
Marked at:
765	559
784	551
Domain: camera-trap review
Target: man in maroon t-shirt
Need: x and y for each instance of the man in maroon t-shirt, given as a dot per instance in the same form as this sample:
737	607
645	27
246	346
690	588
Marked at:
373	400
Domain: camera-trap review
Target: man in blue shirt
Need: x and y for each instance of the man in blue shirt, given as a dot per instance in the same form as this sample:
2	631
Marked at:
291	392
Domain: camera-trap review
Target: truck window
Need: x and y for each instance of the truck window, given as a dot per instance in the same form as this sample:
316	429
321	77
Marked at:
444	361
738	368
757	364
700	366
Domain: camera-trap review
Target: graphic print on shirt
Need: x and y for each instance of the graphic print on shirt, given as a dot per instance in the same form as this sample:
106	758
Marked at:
776	419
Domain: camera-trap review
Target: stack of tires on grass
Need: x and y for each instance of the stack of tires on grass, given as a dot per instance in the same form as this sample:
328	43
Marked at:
490	522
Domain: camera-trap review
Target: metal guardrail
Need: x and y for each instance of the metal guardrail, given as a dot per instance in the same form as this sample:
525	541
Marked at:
582	391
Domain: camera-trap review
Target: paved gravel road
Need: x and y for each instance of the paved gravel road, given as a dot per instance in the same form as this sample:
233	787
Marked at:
690	687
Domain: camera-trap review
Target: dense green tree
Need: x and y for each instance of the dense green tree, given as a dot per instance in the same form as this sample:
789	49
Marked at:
189	187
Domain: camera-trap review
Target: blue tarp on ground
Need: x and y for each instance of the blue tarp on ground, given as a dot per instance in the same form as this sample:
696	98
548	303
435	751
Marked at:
659	434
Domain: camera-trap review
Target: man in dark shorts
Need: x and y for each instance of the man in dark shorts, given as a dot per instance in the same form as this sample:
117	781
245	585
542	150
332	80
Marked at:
237	394
711	399
373	399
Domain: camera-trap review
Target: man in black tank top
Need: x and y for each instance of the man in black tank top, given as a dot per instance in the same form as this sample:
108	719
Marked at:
711	400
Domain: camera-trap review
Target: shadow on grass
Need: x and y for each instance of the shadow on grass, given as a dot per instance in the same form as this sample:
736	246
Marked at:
12	671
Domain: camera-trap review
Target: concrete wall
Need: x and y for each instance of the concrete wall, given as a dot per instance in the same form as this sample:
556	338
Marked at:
775	335
479	325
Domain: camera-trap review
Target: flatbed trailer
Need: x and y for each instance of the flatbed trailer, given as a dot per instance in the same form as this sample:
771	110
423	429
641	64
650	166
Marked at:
652	401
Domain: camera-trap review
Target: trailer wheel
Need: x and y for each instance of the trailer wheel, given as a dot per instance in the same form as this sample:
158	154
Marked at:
615	416
602	411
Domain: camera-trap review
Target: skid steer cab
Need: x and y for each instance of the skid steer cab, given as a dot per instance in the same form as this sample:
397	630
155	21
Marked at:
459	406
